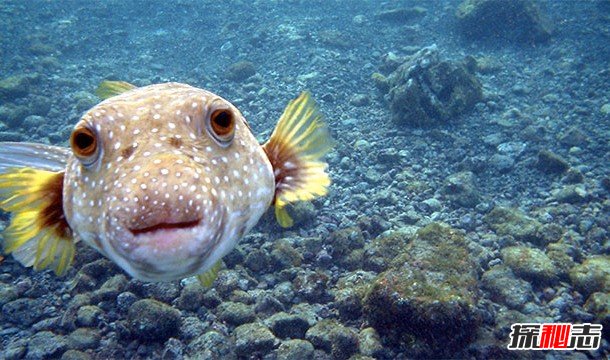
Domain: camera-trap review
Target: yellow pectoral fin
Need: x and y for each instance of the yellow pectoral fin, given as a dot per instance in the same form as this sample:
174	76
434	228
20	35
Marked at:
207	278
282	216
108	89
38	234
295	151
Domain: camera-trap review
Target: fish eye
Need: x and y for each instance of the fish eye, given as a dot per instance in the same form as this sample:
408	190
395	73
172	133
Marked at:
222	126
84	145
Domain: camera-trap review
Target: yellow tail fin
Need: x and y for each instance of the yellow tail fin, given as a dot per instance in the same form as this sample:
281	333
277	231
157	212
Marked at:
108	88
38	234
295	150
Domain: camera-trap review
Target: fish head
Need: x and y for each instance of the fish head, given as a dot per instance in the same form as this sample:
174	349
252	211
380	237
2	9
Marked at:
165	179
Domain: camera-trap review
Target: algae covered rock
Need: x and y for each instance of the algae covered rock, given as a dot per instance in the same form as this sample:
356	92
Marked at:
17	86
426	90
460	188
332	337
379	253
503	287
513	222
429	293
599	305
240	71
254	338
592	275
530	264
515	20
153	320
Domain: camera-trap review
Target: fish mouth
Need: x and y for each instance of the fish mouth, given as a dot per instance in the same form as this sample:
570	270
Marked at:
166	226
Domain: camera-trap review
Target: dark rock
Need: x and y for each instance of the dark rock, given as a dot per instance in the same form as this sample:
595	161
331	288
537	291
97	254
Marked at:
191	328
8	293
302	212
163	291
350	290
211	299
240	71
550	162
173	350
125	300
191	297
24	311
311	286
13	115
235	313
461	189
15	351
254	338
17	86
401	15
295	349
429	293
574	137
284	255
212	345
152	320
515	21
502	287
331	336
426	91
285	325
89	315
257	260
571	194
45	345
75	355
110	289
335	38
267	305
39	105
84	338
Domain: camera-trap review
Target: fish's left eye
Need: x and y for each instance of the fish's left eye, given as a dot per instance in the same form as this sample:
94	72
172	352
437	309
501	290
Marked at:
222	126
84	145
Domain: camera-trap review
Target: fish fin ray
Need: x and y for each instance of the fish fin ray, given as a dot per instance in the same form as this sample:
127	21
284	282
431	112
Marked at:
40	156
207	278
108	88
295	150
38	234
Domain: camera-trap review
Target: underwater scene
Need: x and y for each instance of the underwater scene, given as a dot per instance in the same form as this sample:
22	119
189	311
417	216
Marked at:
305	179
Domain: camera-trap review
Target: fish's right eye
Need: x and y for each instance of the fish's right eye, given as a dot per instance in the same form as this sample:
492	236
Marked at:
84	145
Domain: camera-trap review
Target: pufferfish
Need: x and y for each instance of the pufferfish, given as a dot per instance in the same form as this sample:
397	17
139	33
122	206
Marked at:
162	179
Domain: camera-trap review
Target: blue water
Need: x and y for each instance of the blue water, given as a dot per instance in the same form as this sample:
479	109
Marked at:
390	179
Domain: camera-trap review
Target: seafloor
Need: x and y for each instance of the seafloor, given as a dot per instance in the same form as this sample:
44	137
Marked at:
436	235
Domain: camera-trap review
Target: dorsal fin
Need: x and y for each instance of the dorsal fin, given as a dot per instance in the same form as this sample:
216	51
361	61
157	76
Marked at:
295	150
108	88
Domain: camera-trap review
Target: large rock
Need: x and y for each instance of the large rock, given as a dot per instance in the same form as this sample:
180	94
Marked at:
17	86
513	222
531	264
426	91
516	21
153	320
428	295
